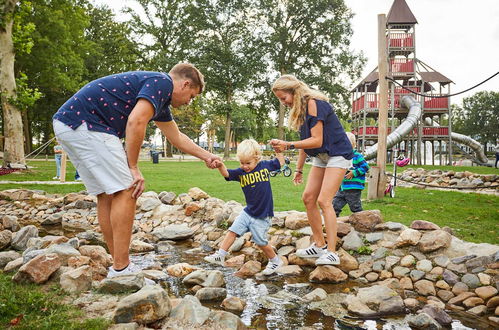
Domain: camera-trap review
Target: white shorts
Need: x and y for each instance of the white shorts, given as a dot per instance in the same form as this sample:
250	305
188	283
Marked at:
98	157
323	160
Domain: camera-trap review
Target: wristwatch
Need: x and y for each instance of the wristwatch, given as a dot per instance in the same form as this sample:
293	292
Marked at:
291	146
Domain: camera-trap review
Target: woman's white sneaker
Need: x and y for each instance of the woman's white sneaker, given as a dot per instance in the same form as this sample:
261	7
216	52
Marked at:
130	269
328	258
311	252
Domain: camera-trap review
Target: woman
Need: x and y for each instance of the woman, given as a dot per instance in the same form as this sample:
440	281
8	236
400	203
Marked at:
323	138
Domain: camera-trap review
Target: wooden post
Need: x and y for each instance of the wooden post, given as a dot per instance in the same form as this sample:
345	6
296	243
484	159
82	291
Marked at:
372	187
383	104
62	176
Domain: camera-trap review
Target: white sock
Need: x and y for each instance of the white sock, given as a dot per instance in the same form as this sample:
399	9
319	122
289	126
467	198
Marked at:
222	252
275	259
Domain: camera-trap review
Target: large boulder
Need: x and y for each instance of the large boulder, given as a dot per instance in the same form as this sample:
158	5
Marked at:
365	221
20	239
173	232
38	269
434	240
149	304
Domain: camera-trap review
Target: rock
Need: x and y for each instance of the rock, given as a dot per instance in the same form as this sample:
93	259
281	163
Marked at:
486	292
286	250
38	269
233	304
206	294
352	241
460	260
97	254
399	272
416	275
450	277
316	295
64	251
478	262
190	310
445	295
365	221
407	261
472	302
391	261
191	208
347	261
441	261
441	284
434	240
459	288
380	299
425	288
296	220
406	283
250	268
5	238
205	278
424	265
77	280
197	194
411	303
423	321
180	270
10	222
327	274
461	297
237	261
372	276
424	225
493	302
471	280
478	310
343	229
13	265
122	284
238	244
484	278
408	237
20	238
374	237
8	256
226	320
167	197
437	314
290	270
137	246
149	304
148	201
173	232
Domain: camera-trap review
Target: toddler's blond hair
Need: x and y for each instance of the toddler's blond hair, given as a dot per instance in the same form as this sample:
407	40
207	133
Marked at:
247	149
351	137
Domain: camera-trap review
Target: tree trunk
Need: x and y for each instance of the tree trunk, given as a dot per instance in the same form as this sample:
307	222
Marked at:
28	145
13	126
227	136
280	119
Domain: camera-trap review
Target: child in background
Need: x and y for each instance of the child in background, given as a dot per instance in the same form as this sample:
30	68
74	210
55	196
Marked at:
353	183
254	178
58	159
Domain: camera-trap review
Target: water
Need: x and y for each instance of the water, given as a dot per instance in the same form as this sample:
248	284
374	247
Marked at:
283	314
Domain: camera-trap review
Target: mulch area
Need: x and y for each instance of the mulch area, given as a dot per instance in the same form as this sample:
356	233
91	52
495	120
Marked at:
4	170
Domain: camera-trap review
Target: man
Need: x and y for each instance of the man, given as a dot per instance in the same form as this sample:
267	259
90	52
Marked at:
89	127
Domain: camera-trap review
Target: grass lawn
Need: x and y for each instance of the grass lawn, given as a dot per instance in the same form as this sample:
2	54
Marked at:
31	306
474	217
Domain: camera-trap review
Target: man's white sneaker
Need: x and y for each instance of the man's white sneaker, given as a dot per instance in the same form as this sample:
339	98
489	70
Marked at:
215	258
130	269
328	258
311	252
272	267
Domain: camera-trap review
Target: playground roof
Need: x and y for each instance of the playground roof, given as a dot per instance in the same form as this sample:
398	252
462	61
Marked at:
435	77
400	13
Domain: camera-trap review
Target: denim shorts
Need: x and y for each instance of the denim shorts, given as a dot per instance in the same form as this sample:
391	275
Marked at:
323	160
98	157
258	227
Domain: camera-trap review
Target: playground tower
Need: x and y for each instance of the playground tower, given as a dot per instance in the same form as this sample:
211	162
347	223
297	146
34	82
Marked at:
434	127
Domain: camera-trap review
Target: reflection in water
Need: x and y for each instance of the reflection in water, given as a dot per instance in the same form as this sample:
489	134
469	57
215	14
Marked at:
279	316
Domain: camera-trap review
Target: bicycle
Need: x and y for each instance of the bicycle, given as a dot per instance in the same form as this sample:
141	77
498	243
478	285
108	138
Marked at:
398	161
285	169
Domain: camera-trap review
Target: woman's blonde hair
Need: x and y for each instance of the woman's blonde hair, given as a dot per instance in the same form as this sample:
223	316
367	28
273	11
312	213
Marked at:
247	149
301	94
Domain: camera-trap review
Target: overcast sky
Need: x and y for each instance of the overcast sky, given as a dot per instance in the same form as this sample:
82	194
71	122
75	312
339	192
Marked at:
458	38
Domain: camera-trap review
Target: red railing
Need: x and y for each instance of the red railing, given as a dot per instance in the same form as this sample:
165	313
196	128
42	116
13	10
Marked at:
436	103
427	131
401	65
401	40
437	131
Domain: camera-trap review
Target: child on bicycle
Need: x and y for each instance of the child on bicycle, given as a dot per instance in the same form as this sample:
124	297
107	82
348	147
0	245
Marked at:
353	183
254	177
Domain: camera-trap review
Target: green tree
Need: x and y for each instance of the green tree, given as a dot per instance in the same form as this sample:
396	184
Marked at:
111	47
226	52
310	38
164	31
55	66
480	117
12	116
